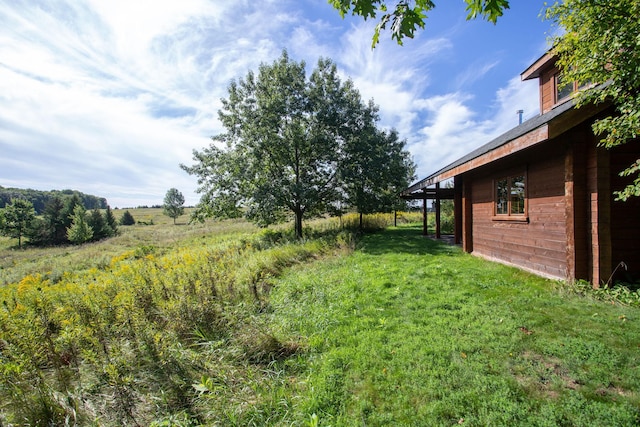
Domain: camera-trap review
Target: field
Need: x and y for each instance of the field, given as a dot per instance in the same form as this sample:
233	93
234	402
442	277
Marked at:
226	324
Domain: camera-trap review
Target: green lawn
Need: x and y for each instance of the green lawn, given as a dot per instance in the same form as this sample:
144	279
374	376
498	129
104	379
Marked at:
407	331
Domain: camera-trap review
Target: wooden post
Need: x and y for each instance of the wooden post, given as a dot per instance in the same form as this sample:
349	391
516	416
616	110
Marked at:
438	235
569	206
424	214
467	217
457	209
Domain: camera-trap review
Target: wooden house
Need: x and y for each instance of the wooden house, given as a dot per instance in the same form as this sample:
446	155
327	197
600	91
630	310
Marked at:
540	196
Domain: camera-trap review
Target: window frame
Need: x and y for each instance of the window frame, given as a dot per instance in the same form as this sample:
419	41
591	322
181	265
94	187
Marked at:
556	86
575	87
510	178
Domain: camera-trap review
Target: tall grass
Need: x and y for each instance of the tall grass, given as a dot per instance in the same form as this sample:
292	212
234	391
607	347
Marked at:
140	337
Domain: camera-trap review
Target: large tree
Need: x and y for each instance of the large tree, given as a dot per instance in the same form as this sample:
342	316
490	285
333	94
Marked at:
283	146
173	204
406	16
376	170
17	219
601	44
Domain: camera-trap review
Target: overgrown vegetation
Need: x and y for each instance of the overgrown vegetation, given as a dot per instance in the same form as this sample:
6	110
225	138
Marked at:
125	341
224	324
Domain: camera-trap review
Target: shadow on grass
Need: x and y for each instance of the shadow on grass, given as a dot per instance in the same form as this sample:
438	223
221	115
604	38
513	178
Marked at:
406	239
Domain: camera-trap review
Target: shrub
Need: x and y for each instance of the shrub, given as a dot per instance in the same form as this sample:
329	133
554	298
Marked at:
127	219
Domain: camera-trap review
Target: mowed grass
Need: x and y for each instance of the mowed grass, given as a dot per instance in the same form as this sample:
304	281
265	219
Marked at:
410	332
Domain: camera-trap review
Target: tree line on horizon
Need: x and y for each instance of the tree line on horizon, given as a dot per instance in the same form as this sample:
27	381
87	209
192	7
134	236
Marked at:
39	198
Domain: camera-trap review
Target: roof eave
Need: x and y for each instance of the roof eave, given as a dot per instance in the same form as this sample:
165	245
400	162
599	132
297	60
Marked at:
535	70
529	133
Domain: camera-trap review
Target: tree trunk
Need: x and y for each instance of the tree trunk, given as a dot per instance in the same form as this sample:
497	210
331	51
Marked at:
360	221
299	224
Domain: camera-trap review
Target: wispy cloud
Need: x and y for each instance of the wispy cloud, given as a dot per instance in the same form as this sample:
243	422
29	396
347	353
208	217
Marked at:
110	97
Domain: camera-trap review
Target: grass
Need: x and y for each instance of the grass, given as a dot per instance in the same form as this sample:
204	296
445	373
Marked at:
221	324
162	235
407	331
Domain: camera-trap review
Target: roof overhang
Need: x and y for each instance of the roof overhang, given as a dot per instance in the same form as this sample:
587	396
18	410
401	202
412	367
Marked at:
528	134
430	193
535	70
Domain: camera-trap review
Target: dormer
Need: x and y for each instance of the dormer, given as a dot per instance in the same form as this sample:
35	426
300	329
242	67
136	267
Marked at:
553	91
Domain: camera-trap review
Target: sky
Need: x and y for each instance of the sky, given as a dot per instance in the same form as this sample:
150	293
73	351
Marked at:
110	97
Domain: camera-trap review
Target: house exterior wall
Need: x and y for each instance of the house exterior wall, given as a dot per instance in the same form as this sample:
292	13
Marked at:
539	244
625	216
547	89
575	228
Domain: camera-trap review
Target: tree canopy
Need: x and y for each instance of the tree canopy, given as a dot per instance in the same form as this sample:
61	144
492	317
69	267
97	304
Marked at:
39	199
406	16
80	231
286	145
127	219
600	44
173	204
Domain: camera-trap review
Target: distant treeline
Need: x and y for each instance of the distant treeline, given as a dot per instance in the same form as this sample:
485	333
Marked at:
39	199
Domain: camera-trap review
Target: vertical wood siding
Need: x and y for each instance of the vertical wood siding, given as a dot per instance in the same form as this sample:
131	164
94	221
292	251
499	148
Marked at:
547	90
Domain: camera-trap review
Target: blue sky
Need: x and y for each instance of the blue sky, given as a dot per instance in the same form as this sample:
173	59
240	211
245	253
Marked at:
109	97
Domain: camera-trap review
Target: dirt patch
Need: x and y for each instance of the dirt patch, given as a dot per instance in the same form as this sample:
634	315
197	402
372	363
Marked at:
543	374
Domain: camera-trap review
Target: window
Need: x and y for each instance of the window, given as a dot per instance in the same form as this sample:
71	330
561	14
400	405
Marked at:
510	197
563	89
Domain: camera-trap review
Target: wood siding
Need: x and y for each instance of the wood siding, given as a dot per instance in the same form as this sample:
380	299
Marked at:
539	245
579	255
625	216
547	90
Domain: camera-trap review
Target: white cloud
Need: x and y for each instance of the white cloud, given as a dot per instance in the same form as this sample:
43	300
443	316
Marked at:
109	97
453	130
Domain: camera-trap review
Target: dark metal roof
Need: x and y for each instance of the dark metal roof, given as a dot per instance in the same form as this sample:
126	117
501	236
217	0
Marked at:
506	137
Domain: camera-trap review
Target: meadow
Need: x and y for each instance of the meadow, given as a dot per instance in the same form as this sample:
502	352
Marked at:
225	324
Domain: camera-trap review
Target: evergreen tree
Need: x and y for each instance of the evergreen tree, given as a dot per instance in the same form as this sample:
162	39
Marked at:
110	222
79	231
55	220
127	219
69	209
97	223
